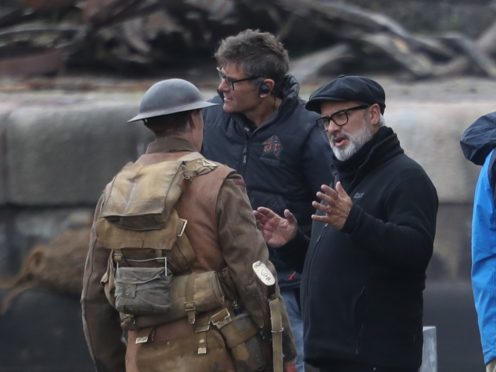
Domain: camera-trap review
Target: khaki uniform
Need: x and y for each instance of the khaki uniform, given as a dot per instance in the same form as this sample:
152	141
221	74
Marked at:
222	232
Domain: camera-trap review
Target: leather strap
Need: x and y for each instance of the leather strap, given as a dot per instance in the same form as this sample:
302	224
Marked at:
277	329
189	304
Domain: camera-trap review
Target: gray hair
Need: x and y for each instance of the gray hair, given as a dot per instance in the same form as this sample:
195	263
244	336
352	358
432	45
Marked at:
258	53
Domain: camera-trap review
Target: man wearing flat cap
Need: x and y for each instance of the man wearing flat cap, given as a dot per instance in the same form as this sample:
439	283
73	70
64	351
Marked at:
371	241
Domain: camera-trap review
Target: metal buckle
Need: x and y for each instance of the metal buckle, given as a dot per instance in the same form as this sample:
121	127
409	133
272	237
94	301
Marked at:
141	340
221	318
183	227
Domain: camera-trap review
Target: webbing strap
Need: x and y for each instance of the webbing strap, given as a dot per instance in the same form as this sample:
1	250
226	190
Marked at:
277	329
189	304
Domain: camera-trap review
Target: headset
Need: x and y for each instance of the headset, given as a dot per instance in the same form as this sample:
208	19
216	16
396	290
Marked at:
264	89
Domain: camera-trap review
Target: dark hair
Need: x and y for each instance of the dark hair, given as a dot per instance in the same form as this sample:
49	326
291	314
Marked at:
169	124
258	53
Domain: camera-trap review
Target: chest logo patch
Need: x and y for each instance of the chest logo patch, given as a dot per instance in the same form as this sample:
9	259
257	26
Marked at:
272	147
358	195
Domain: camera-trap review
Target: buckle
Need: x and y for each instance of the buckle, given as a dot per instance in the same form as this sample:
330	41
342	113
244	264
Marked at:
202	324
221	318
190	309
182	227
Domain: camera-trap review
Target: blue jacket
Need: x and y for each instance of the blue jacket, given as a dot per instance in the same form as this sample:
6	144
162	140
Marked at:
478	143
284	162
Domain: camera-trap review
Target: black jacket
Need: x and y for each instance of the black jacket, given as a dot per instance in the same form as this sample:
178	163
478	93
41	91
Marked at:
362	286
284	162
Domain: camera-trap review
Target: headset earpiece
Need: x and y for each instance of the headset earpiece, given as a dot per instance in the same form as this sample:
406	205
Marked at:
264	89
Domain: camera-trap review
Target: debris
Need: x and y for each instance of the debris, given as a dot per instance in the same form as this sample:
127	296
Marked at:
39	37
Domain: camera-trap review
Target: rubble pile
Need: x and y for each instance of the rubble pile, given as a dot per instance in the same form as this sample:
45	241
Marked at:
45	37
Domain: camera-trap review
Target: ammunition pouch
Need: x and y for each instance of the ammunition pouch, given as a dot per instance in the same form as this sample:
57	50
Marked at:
142	290
189	296
250	352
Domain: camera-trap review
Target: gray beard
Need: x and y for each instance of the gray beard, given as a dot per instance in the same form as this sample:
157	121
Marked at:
356	143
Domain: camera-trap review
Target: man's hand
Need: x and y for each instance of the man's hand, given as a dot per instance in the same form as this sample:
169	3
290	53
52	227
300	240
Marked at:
275	229
335	205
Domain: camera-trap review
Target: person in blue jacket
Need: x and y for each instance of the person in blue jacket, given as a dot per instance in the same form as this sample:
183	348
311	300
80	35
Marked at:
478	144
263	130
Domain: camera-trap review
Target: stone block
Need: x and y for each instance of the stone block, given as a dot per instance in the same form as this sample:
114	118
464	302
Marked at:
66	155
5	110
430	133
452	255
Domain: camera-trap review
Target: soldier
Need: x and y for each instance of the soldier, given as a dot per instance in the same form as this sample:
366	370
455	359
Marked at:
175	259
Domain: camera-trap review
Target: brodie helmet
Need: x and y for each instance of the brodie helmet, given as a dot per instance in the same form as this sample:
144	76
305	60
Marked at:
169	97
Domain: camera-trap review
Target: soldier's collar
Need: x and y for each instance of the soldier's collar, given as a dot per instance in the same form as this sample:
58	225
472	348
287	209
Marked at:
169	144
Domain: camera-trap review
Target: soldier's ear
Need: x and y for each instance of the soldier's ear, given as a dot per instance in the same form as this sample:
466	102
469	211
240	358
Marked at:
195	119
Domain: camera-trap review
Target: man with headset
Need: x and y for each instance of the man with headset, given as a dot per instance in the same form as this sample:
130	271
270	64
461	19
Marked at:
262	130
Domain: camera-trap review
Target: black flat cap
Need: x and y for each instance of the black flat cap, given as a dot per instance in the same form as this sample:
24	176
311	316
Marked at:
348	88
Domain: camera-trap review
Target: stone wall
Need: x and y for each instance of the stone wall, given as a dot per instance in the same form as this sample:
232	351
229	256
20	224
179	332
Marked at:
56	155
58	152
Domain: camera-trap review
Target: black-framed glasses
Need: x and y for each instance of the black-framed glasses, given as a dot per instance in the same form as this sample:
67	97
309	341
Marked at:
232	81
340	118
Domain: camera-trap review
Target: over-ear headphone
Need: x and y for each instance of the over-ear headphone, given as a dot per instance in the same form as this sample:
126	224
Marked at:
264	89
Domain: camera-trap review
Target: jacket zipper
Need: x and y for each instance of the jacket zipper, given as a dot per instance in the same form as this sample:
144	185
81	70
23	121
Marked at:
244	153
244	157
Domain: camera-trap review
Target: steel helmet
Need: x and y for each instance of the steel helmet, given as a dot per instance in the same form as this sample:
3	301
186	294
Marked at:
169	97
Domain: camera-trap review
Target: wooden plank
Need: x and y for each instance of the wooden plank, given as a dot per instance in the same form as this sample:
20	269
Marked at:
486	44
487	41
400	51
31	62
309	66
480	60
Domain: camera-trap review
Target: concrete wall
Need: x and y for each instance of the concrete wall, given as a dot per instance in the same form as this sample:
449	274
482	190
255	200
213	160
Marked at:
430	133
56	155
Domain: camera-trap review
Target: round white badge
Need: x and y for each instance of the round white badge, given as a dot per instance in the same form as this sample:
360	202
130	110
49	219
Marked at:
263	273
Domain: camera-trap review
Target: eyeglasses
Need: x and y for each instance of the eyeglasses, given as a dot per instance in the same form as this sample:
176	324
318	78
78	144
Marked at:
230	81
340	118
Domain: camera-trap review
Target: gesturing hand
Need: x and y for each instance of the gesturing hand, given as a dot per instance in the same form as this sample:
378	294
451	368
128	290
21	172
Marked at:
275	229
335	205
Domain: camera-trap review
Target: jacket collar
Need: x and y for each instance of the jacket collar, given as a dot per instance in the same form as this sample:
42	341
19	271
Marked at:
169	144
383	146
